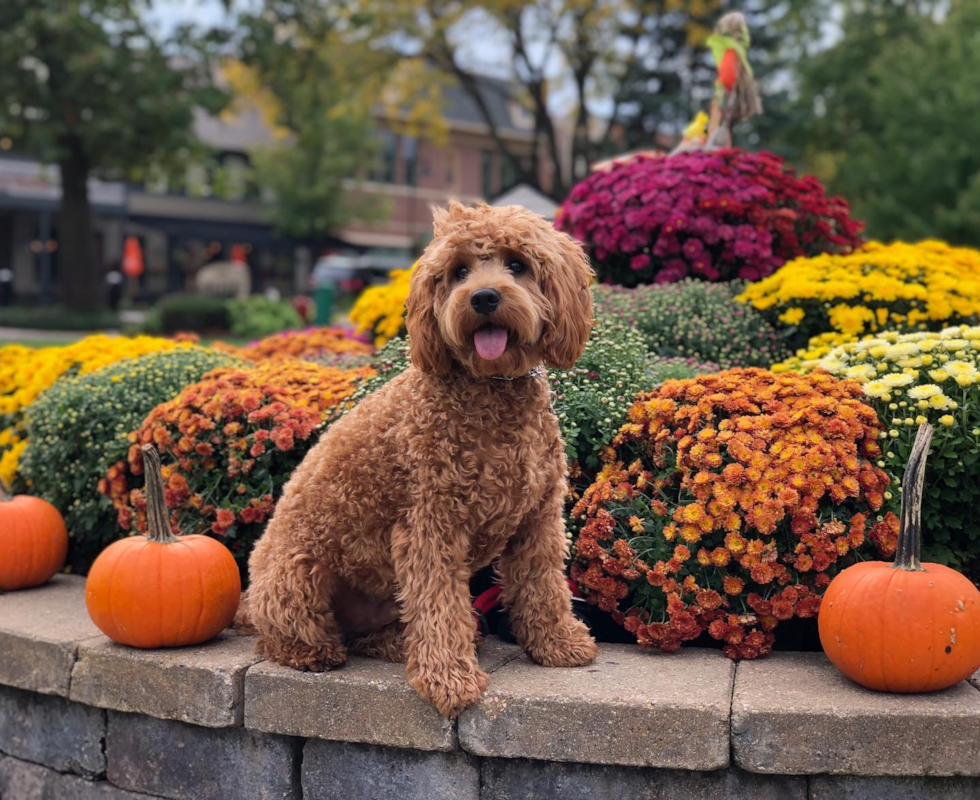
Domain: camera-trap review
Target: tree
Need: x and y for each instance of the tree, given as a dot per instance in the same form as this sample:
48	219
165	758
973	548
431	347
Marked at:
307	67
893	123
85	85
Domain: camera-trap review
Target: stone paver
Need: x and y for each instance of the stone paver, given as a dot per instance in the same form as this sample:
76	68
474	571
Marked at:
794	713
518	779
203	685
21	780
40	630
366	701
52	731
632	707
847	787
188	762
347	771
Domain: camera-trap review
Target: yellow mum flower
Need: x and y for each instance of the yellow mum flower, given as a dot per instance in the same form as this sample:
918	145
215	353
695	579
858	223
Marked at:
924	392
897	379
947	420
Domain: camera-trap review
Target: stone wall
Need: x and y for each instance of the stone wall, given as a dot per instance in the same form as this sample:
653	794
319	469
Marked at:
83	718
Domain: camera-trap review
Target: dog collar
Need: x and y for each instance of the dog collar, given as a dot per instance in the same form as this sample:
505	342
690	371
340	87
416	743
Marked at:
536	372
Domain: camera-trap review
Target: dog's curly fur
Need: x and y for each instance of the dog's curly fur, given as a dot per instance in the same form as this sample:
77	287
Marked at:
446	468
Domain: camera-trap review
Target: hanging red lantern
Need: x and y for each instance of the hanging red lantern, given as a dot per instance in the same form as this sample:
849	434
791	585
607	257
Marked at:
132	261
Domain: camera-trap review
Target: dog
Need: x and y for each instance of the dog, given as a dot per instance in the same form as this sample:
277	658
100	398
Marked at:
455	463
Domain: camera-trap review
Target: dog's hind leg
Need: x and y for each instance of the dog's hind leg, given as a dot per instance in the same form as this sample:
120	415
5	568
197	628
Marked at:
290	603
388	644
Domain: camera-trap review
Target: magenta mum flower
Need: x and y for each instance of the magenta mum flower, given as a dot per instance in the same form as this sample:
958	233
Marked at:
714	216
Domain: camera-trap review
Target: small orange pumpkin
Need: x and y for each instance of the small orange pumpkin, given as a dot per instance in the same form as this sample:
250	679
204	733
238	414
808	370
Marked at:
162	590
33	541
907	626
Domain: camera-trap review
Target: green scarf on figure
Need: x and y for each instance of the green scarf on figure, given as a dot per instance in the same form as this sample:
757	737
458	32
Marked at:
718	43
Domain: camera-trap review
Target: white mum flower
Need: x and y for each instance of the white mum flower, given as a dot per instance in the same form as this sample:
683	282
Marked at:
876	388
924	392
862	372
898	379
961	368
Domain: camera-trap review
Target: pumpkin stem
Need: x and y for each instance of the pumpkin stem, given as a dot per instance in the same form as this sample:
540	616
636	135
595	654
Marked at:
910	528
156	503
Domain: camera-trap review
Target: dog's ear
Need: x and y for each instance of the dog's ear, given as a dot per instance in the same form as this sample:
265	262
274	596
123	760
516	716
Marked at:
566	285
429	351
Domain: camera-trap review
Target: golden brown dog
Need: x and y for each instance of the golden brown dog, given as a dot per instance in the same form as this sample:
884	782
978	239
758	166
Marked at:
455	462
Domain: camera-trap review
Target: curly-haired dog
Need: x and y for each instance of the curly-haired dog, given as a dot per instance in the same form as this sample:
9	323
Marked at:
455	462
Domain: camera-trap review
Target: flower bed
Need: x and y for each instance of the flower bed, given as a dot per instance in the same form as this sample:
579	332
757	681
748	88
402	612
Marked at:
26	372
309	344
694	319
728	503
229	443
710	215
380	310
77	429
921	286
934	377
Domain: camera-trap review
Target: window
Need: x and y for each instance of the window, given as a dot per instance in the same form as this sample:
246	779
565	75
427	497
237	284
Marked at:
410	152
489	175
384	169
509	176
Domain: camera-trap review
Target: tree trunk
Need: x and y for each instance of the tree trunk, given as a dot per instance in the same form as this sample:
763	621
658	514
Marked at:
81	277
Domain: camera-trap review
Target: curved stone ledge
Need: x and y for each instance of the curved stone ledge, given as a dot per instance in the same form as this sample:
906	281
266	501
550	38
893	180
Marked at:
82	717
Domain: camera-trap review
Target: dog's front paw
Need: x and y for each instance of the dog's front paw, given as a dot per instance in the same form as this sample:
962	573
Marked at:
449	690
570	646
304	657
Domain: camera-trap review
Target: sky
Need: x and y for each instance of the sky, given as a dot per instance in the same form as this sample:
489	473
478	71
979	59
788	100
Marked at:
207	13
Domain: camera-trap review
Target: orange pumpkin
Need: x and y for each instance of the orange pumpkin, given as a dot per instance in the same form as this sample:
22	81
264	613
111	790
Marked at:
906	626
162	590
33	541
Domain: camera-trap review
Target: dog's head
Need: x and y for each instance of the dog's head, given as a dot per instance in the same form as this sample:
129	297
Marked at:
499	291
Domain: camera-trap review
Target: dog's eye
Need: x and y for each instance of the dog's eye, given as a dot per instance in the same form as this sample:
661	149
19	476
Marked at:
517	267
461	272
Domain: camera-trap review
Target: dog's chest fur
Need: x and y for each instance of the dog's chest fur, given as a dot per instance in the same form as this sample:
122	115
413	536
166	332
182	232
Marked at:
497	455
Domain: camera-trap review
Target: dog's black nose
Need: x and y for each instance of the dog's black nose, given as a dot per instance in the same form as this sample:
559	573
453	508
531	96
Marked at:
485	301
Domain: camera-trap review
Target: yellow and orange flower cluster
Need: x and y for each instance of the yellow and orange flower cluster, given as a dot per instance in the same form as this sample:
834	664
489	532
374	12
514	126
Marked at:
381	309
307	344
229	443
25	372
923	286
727	503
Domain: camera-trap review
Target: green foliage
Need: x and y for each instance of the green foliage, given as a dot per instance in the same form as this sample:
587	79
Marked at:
695	319
257	316
671	369
591	399
78	429
188	312
892	122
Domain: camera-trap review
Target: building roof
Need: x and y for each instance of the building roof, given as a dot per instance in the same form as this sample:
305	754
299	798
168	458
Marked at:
530	198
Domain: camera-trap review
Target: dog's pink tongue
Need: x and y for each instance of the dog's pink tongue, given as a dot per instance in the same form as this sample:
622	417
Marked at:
490	342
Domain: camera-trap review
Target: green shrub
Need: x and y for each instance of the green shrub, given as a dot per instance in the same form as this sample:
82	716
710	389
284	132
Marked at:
257	316
590	399
669	369
78	428
695	319
189	312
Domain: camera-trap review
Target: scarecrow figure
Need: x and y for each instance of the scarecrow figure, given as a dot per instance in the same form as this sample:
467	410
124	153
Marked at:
736	95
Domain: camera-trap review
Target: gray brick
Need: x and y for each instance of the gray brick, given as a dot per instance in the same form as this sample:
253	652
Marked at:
21	780
203	685
39	634
346	771
188	762
366	701
845	787
631	707
519	779
794	713
52	731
